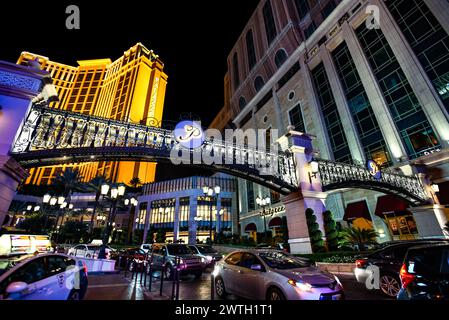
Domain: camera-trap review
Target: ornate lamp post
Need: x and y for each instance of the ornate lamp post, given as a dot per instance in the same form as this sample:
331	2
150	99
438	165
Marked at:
263	203
115	194
212	194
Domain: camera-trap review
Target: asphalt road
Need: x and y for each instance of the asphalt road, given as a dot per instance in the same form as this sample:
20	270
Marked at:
119	287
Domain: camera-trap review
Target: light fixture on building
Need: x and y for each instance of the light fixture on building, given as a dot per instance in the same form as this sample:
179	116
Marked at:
29	208
61	200
134	202
105	189
53	201
121	190
435	188
126	202
114	193
37	208
314	169
63	205
263	202
46	198
71	206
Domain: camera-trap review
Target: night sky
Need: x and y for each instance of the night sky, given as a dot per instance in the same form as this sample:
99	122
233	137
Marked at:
193	39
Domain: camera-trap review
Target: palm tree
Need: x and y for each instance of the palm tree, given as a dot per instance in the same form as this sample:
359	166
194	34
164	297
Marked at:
68	182
357	236
95	186
135	182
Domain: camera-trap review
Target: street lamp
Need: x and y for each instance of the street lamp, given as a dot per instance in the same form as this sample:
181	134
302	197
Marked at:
220	214
46	198
263	203
212	193
53	201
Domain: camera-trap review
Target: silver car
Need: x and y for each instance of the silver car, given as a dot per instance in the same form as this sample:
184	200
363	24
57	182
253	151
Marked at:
274	275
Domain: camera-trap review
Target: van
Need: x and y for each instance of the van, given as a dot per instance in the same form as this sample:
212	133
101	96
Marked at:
14	244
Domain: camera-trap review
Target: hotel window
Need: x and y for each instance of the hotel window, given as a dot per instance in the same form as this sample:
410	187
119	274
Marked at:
250	196
226	219
335	130
280	58
184	211
360	107
250	50
428	40
327	10
258	83
204	211
309	30
235	62
402	102
268	139
270	26
242	103
303	8
296	119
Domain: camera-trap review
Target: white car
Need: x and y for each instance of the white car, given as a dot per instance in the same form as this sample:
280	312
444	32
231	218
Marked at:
88	251
146	247
42	277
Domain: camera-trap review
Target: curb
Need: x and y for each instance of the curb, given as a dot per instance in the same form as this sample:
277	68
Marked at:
103	273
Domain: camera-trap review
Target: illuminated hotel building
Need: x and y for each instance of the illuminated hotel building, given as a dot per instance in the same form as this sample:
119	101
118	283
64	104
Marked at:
364	91
132	88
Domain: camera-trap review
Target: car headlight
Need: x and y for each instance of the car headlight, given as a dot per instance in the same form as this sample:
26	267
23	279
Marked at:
203	260
303	286
209	258
216	271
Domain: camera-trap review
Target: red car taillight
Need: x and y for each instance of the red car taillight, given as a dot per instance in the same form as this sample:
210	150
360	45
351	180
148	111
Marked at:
361	263
85	268
406	278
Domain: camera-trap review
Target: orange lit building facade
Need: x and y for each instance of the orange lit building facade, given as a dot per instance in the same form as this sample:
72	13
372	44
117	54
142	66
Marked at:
132	88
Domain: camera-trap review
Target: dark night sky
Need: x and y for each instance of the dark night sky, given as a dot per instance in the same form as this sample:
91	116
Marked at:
193	39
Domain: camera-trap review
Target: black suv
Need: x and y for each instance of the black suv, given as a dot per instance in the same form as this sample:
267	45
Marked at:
389	260
425	273
163	256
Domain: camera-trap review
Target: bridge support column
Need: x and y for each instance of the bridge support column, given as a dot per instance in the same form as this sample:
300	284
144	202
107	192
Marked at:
310	193
19	86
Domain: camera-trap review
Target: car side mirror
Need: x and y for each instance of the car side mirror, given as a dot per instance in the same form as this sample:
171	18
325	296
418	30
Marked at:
16	287
256	267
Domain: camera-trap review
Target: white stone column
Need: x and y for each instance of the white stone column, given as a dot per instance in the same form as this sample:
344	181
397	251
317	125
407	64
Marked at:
315	112
440	10
375	96
427	96
347	122
176	221
193	225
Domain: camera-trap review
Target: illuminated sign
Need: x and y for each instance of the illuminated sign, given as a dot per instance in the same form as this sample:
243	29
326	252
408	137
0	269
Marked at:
189	134
374	169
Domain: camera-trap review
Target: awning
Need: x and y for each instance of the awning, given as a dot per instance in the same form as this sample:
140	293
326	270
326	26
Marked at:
357	210
275	222
250	227
389	204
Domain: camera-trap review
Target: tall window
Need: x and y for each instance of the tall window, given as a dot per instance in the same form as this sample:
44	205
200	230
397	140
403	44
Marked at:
250	196
270	26
268	139
258	83
428	40
280	58
407	113
327	10
204	211
296	119
184	212
360	108
335	130
250	50
303	7
309	30
226	219
235	62
242	103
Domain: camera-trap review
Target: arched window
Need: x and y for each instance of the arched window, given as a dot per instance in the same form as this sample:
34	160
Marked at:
258	83
250	50
235	62
280	58
242	103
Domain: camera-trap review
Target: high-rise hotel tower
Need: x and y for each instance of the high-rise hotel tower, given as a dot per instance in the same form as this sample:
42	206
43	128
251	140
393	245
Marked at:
132	88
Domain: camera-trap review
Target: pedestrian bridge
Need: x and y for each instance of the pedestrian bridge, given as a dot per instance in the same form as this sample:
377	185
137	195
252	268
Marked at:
49	136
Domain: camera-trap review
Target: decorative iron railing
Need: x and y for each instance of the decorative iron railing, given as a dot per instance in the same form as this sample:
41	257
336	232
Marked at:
335	175
49	132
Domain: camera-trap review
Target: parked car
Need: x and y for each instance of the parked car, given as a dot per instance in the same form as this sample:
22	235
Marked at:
146	247
130	256
208	254
278	246
164	256
88	251
274	275
389	260
425	273
42	277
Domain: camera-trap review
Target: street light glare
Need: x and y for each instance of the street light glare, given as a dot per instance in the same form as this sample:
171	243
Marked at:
105	189
53	201
217	190
46	198
61	200
121	190
114	193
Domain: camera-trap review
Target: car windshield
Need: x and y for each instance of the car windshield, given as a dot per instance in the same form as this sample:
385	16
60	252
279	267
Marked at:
176	250
206	249
280	260
9	263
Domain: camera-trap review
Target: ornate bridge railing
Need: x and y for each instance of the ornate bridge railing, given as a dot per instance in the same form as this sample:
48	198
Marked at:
50	136
340	175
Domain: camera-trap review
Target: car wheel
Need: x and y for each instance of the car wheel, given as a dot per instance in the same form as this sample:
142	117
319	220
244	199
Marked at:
169	272
74	295
275	294
220	287
88	256
389	285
